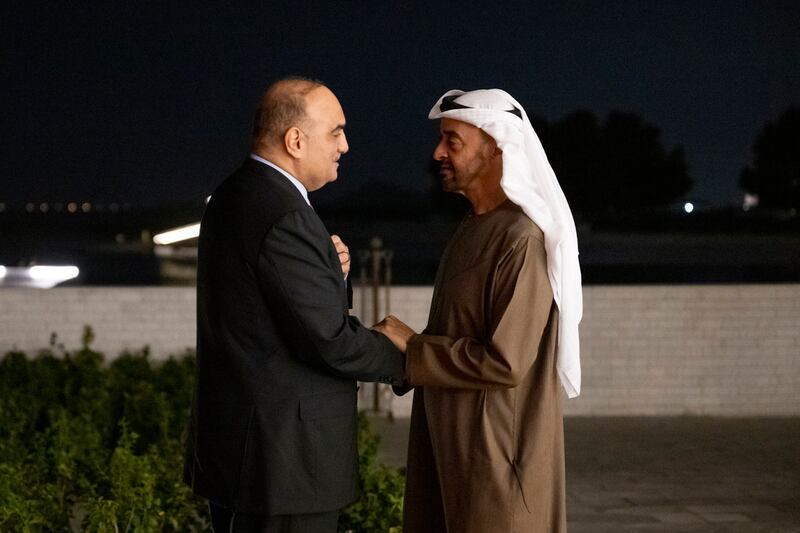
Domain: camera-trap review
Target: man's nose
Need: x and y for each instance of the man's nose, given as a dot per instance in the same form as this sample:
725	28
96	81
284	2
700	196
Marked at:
343	146
439	152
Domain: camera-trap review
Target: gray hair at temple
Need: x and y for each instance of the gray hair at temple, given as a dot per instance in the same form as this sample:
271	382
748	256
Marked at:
282	106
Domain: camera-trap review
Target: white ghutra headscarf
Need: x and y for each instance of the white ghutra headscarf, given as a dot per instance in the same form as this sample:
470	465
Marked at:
529	181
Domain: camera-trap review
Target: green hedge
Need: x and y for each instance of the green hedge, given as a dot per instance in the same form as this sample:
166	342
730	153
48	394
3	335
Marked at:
92	446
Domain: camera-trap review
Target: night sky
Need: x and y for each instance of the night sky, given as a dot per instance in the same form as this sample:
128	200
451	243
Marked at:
134	102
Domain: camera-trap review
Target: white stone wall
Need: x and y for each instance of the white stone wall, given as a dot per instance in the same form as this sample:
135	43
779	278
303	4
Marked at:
122	318
731	350
693	349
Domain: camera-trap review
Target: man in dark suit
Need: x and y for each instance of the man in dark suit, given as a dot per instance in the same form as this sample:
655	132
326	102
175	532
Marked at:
272	441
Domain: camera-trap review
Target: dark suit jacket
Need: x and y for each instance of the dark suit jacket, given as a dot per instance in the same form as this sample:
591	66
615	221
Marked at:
273	427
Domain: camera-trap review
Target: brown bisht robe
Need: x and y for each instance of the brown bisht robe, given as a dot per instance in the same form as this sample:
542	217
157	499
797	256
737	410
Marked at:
486	447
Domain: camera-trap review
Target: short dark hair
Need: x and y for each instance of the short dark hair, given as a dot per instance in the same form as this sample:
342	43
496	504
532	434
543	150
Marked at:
282	106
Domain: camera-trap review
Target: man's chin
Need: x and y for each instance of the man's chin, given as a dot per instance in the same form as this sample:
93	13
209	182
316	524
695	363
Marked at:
448	184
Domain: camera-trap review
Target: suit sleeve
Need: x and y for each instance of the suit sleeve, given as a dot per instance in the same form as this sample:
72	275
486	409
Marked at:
305	288
521	304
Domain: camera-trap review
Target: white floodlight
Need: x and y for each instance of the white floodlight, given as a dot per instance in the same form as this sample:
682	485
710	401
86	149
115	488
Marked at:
688	207
49	276
39	276
182	233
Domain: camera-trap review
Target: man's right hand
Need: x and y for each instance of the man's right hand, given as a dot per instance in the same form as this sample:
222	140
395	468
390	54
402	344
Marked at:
344	254
397	331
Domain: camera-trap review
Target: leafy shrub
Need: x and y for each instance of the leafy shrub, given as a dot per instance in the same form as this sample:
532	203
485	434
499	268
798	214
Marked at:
98	447
380	507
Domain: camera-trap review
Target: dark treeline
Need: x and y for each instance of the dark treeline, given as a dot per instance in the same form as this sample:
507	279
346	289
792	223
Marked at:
615	165
774	174
618	163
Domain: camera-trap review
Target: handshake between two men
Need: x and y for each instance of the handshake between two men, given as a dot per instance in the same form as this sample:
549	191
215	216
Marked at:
271	440
395	329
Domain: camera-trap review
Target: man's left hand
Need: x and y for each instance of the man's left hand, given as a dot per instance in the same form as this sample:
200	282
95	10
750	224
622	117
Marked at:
344	254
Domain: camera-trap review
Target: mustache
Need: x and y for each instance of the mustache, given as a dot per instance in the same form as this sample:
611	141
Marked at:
443	165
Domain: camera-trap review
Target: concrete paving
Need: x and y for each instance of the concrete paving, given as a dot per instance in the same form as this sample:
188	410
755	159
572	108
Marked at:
678	474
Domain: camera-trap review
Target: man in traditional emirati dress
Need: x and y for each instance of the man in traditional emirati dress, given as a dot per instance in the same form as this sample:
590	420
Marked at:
486	447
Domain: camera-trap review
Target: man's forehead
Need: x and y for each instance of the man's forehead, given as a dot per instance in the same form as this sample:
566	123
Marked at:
323	103
460	128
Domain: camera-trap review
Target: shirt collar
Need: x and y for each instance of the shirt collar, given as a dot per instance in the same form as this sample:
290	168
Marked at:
291	178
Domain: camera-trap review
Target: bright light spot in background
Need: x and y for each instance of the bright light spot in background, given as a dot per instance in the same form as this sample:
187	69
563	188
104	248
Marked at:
208	198
39	277
750	201
688	207
56	274
178	234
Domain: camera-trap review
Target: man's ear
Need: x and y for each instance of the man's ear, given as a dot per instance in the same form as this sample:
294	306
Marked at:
294	142
491	146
